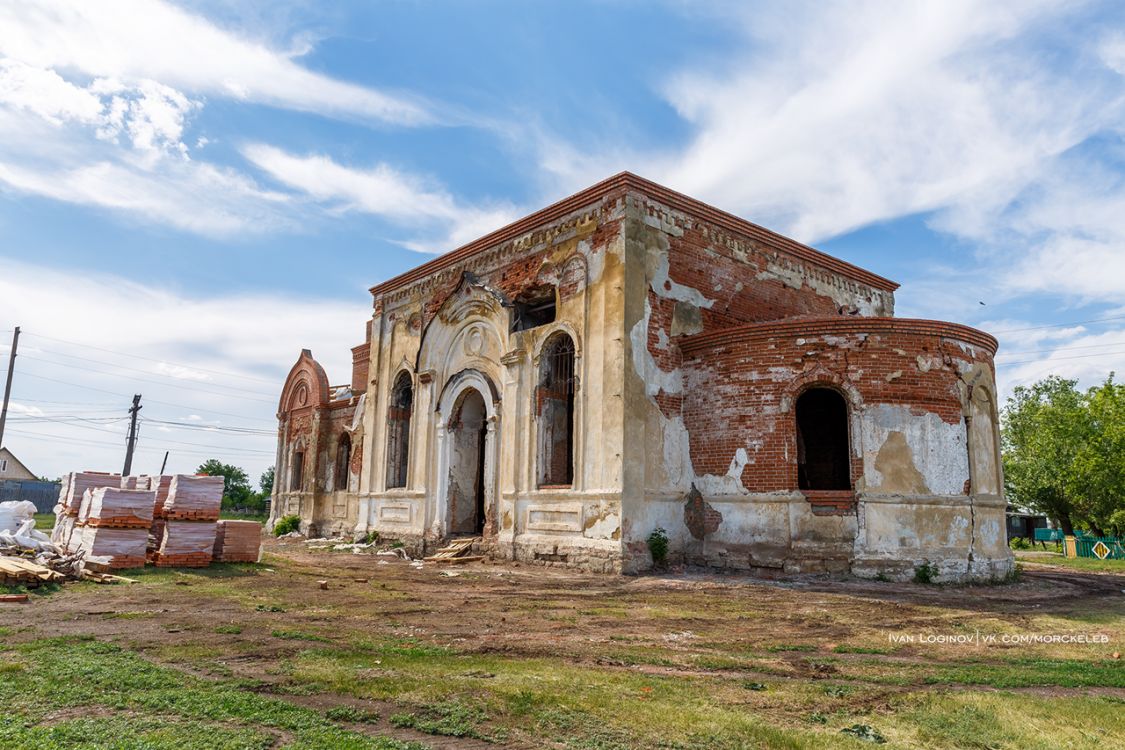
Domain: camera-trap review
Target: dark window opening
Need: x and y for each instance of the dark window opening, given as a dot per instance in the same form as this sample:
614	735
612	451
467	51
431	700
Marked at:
398	430
555	409
533	308
296	473
823	455
343	462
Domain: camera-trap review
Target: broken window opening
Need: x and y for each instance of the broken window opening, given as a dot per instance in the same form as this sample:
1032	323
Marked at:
296	471
534	308
398	430
823	452
555	409
343	461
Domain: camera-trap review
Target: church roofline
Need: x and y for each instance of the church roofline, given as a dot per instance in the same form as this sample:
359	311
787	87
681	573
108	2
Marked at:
624	182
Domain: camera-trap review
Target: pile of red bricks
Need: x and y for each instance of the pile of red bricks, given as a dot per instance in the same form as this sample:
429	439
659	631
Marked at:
189	513
113	525
238	541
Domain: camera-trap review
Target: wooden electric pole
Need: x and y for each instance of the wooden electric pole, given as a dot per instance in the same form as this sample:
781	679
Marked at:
165	464
132	441
8	384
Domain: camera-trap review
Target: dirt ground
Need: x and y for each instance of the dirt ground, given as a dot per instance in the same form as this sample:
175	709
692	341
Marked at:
527	656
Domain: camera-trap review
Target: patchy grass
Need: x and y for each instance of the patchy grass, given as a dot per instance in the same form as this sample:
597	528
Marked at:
137	704
1091	564
44	521
259	656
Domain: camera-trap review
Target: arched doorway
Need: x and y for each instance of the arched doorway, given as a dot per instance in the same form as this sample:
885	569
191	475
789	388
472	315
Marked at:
467	432
468	420
823	451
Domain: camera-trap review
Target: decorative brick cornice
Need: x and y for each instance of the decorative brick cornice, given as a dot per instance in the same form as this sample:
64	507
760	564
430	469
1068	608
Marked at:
832	326
502	242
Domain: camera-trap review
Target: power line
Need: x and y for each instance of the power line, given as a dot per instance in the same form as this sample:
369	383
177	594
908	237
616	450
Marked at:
132	378
150	359
1059	325
137	369
151	400
1049	360
1058	349
78	442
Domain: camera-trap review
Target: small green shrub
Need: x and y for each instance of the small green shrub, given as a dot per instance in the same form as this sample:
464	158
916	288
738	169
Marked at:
1018	542
286	524
658	546
925	573
371	538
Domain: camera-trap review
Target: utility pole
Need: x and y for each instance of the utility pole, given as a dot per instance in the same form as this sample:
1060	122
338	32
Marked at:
164	464
132	441
8	385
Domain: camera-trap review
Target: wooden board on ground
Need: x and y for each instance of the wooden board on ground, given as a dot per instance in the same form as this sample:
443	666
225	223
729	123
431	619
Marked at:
18	569
456	548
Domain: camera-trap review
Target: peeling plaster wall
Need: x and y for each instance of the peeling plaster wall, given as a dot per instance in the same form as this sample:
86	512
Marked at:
448	323
907	384
694	333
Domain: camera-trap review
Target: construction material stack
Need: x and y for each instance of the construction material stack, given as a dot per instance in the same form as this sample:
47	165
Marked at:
190	514
75	484
160	485
112	526
238	541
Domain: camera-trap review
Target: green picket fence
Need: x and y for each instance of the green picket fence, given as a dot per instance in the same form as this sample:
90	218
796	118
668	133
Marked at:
1084	546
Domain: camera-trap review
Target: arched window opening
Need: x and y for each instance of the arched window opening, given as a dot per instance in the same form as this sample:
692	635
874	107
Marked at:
533	308
296	471
555	409
823	454
398	430
343	461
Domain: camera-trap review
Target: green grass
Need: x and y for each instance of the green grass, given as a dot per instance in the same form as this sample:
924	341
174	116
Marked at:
109	697
1091	564
44	521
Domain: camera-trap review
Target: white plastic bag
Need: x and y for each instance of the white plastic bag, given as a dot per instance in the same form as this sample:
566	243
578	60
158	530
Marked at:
14	513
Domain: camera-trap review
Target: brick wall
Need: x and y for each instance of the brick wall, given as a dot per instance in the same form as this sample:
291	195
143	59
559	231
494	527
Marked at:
741	384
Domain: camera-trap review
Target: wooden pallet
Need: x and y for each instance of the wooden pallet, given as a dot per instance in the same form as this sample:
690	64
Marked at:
458	549
18	570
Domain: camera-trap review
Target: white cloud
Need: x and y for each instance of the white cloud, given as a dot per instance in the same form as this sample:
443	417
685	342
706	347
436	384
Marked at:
245	342
383	191
192	196
133	40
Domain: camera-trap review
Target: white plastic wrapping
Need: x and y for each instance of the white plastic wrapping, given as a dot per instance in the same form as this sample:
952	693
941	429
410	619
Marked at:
118	548
86	480
188	538
14	513
109	506
194	495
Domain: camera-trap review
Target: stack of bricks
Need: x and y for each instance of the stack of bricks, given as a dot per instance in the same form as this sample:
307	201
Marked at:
75	485
190	514
113	526
160	485
238	541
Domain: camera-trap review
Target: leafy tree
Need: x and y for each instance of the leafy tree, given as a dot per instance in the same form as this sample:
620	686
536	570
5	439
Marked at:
265	483
1098	480
237	492
1044	426
1064	452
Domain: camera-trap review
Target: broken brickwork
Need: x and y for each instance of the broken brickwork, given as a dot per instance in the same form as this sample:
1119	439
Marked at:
690	336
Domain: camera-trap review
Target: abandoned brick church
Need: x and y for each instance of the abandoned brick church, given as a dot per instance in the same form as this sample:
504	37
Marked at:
630	358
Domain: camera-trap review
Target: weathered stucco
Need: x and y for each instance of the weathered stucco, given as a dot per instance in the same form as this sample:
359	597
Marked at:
694	334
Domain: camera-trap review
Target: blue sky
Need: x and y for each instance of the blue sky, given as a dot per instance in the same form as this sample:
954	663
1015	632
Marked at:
190	193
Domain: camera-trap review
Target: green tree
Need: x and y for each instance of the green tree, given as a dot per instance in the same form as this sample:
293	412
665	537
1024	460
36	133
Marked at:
265	483
1097	483
237	492
1044	427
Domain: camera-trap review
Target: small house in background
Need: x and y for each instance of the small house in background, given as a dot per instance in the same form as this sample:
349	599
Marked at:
12	468
1023	523
17	482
